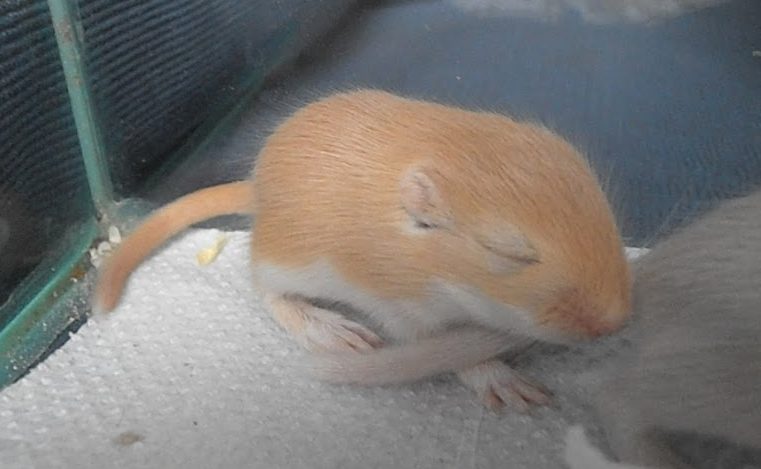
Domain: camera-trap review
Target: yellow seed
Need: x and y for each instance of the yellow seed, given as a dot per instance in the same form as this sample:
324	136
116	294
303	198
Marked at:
207	255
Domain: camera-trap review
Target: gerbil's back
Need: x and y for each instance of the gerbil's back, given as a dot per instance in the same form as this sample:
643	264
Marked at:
697	297
328	180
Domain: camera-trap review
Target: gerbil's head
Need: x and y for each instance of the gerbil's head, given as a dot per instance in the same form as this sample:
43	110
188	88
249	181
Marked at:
513	223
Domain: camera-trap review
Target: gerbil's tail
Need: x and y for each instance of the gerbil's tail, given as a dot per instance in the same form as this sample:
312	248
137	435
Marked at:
224	199
454	350
580	454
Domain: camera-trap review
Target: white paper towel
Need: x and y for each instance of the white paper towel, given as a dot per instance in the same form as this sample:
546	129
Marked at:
191	372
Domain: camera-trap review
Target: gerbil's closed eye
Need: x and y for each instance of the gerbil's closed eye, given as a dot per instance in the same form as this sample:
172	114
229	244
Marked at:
508	250
421	199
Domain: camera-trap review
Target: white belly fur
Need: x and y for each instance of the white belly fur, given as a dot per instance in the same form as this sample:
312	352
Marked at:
446	304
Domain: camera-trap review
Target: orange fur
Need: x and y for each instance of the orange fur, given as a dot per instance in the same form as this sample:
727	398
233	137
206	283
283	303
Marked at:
334	194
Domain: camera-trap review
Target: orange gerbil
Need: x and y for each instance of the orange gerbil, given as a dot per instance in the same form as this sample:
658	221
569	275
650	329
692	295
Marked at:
461	233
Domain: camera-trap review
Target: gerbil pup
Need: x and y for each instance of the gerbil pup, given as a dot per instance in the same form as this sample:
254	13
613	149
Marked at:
695	366
425	217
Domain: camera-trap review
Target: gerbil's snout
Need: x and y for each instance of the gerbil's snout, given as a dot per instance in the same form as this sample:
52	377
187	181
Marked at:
575	315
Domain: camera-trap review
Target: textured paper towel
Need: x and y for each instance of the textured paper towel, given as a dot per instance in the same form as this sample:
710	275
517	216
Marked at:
191	372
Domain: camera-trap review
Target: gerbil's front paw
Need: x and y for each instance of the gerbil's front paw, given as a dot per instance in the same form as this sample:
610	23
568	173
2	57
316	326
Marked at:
320	330
327	331
497	384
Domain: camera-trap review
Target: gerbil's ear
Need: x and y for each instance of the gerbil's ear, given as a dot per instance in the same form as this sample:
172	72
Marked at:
509	250
421	199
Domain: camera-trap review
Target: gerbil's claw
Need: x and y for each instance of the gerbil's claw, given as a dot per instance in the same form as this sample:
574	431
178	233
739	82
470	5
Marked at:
524	390
497	384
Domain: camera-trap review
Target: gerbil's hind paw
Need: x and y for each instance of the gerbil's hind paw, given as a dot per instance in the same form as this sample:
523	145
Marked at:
327	331
497	384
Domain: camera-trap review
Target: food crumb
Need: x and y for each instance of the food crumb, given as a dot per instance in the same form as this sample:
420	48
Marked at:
208	255
128	438
114	236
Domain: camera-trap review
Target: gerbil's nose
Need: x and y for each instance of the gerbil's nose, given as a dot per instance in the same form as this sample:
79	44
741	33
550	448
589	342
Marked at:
576	316
598	327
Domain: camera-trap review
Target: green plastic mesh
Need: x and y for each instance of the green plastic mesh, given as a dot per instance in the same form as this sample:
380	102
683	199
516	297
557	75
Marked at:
157	67
43	191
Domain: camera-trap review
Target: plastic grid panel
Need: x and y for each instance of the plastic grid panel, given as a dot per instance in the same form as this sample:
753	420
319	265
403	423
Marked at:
157	67
43	189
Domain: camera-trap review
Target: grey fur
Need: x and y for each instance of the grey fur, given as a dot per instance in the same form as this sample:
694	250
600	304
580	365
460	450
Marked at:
695	366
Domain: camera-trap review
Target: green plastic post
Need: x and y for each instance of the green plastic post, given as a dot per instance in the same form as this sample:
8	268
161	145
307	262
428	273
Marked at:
69	34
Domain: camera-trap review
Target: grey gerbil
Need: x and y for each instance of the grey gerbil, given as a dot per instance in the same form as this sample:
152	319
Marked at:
695	366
